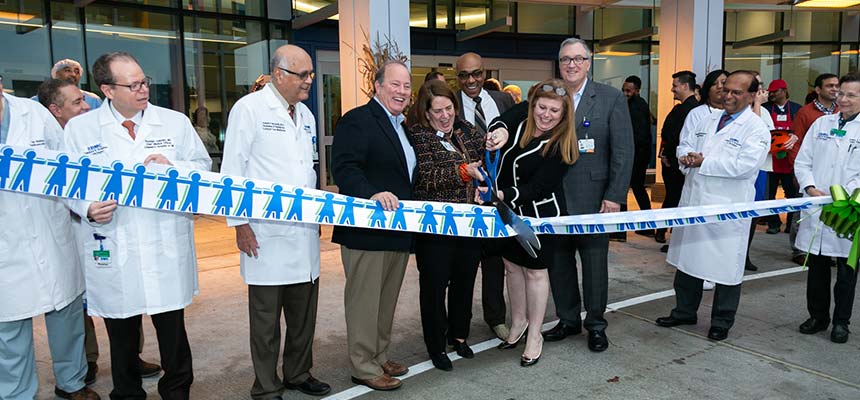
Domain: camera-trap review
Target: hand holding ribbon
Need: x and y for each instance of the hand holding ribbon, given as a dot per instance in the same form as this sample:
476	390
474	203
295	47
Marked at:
843	215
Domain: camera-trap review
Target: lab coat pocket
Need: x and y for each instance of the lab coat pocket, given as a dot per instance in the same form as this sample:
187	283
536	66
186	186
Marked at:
101	251
266	230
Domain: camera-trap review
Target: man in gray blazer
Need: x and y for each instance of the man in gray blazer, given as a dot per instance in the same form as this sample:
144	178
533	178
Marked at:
597	182
480	107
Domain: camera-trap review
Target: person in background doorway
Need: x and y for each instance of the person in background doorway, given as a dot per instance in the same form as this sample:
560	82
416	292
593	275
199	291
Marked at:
640	117
434	75
782	111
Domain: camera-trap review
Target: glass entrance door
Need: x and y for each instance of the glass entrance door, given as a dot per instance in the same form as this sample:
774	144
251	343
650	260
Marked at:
328	103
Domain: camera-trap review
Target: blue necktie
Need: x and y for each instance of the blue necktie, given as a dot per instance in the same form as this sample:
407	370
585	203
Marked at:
724	120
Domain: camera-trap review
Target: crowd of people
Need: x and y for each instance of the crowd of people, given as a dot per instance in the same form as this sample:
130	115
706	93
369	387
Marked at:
571	146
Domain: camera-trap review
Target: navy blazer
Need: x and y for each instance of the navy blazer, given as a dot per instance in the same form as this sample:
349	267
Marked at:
367	158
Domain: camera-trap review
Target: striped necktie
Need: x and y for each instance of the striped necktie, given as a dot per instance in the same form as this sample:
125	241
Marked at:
724	120
480	119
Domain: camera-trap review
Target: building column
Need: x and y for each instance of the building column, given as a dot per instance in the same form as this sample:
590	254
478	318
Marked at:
360	20
691	38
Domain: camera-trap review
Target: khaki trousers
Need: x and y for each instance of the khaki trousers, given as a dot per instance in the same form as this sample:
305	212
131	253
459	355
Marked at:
373	280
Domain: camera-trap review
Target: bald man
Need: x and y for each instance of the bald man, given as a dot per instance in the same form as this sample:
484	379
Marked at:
280	261
480	107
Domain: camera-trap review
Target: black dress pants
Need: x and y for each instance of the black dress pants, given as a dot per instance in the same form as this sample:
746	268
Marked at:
818	289
564	281
637	178
688	296
446	264
673	178
124	337
493	289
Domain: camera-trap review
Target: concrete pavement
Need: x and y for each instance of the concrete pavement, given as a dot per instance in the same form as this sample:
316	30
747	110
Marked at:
764	357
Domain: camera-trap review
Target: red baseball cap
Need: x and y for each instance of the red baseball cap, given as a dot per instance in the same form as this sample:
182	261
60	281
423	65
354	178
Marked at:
777	84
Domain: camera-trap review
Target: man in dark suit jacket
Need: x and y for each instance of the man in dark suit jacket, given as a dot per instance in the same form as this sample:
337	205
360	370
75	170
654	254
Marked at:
640	116
683	90
480	107
372	158
596	183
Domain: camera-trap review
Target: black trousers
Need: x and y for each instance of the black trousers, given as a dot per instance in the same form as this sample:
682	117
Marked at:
564	281
673	178
818	289
688	296
641	159
124	336
493	287
446	264
789	186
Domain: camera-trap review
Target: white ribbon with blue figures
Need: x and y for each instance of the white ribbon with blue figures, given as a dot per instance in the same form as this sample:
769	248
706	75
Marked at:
160	187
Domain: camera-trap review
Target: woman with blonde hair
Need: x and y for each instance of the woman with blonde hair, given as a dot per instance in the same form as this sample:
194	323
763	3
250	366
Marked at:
537	155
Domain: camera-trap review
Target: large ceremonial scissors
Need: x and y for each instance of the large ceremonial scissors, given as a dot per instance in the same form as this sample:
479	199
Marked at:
525	235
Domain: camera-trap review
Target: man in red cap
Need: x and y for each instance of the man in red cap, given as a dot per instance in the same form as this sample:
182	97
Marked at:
783	112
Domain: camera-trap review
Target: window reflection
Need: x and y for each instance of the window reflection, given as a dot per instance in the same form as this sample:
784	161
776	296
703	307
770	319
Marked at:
153	40
22	30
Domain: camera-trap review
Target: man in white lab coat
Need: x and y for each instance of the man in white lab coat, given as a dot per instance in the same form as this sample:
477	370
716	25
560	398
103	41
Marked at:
720	159
829	156
39	268
270	136
152	264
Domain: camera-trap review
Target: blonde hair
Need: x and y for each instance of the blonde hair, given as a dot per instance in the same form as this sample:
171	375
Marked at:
562	138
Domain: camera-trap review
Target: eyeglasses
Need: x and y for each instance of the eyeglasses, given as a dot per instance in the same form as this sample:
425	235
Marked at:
550	88
851	96
301	75
477	74
578	60
136	86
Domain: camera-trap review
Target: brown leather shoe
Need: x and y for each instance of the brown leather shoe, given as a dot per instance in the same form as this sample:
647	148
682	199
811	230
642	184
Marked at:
83	394
384	382
394	369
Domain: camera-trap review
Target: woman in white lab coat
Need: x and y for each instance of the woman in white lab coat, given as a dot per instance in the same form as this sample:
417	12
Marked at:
830	155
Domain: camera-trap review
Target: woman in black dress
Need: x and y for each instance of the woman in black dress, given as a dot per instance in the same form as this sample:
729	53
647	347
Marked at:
534	160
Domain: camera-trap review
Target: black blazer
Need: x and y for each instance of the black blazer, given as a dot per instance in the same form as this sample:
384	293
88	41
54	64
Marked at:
531	183
367	158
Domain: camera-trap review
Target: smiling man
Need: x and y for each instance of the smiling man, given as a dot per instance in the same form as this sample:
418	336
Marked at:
372	158
270	136
720	158
480	107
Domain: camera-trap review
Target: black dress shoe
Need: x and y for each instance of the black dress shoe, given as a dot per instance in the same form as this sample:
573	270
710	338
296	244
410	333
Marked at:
561	331
148	369
839	334
528	362
505	345
441	361
717	333
664	248
670	321
463	349
311	386
814	325
750	267
597	340
92	370
660	237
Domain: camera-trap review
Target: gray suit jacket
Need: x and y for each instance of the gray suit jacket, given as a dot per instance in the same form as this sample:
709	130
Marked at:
604	174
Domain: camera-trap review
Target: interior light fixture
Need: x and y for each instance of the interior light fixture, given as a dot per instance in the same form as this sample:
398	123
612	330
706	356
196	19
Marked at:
828	3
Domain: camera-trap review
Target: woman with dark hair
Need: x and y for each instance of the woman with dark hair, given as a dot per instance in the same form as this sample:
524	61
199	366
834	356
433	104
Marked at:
533	163
449	151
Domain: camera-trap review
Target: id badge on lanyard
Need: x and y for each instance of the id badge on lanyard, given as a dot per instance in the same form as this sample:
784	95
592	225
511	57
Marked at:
585	145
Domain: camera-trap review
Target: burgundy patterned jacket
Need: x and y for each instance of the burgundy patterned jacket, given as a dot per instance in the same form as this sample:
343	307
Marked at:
439	160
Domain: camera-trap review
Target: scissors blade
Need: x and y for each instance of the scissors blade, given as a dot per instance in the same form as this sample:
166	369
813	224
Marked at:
525	235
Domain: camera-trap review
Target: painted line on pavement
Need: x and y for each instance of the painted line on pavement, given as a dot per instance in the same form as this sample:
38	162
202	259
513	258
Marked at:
425	366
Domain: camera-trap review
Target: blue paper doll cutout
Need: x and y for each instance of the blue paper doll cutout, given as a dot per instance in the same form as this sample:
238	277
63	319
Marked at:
113	187
169	195
224	201
57	180
275	205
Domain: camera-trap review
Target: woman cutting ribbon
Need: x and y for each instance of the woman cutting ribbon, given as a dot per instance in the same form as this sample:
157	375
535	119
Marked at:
532	166
449	151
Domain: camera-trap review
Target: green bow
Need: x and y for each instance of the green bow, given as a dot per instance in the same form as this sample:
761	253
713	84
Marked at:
843	215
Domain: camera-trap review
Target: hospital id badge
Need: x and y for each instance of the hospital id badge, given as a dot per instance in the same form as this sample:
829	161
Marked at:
782	118
101	258
586	146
